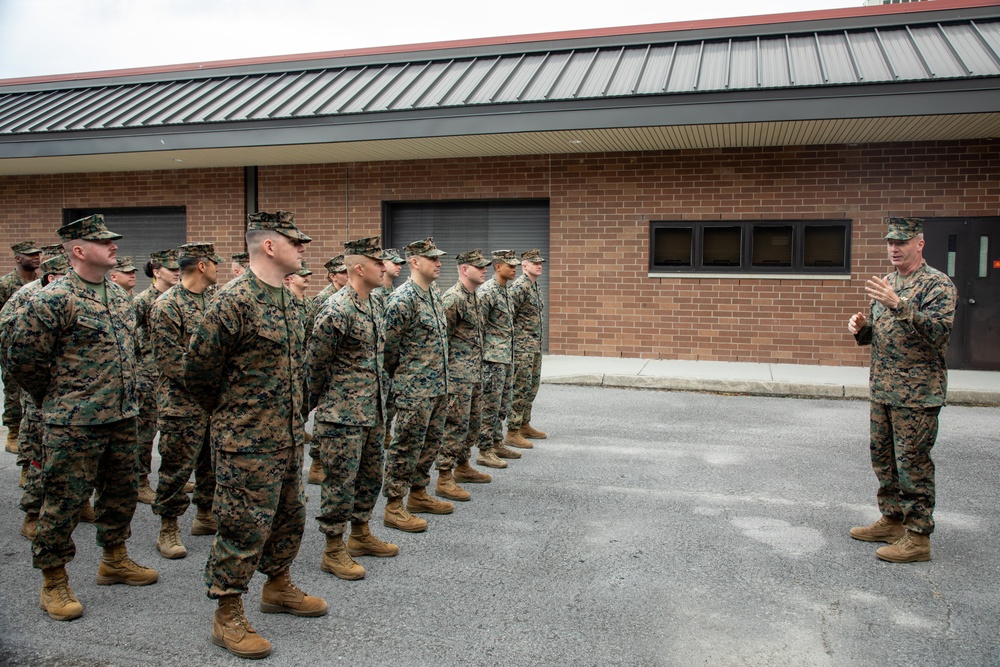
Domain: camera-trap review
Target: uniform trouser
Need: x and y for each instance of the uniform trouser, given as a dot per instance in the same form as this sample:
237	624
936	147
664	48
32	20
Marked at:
901	442
259	506
79	460
27	439
498	389
390	412
29	449
11	401
461	430
527	375
352	462
185	446
415	444
146	426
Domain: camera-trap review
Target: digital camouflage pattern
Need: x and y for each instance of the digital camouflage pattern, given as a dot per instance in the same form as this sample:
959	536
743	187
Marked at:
498	355
464	319
901	442
415	444
25	248
245	367
462	424
10	284
528	308
909	344
184	444
498	396
352	462
261	512
498	322
149	376
75	356
527	377
416	343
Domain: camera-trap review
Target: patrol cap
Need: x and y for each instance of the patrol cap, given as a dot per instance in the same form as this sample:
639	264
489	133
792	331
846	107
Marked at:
425	248
54	249
369	247
506	256
199	251
533	255
473	257
392	255
303	270
241	258
904	229
58	264
90	228
165	258
122	265
282	222
335	264
25	248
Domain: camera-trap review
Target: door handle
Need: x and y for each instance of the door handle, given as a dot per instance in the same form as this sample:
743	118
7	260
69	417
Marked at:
972	302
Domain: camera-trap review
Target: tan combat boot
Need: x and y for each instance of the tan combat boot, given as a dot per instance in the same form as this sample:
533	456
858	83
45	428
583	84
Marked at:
396	516
338	562
515	439
505	452
489	458
30	526
419	502
529	432
883	530
57	599
447	488
466	473
12	433
168	543
204	523
911	548
316	474
281	596
146	494
361	542
232	631
117	568
87	513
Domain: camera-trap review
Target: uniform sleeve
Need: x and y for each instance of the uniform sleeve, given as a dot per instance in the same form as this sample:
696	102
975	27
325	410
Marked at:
320	351
932	320
452	302
518	296
207	352
864	335
32	346
166	334
397	316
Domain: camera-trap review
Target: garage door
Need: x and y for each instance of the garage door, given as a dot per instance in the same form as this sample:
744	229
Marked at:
458	227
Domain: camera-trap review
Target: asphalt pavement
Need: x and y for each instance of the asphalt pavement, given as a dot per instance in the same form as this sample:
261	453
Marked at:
651	528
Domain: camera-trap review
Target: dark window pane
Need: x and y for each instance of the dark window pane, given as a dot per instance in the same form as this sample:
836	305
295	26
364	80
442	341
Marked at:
672	246
824	246
721	247
772	246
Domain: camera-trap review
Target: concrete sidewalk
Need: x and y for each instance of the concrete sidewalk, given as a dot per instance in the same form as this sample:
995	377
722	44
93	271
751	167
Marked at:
964	387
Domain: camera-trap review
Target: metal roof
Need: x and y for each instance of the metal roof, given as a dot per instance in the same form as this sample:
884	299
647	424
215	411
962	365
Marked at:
961	50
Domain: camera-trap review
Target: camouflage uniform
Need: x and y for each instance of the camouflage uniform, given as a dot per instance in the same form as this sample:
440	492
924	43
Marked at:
908	385
528	307
149	376
498	356
183	424
9	285
416	353
380	299
335	265
465	369
347	387
244	367
75	356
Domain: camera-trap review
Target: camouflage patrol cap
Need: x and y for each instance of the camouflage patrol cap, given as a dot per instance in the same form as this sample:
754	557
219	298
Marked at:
425	248
392	255
506	256
335	264
54	249
904	229
90	228
123	265
533	255
303	270
282	222
165	258
473	257
241	258
369	247
58	264
199	251
25	248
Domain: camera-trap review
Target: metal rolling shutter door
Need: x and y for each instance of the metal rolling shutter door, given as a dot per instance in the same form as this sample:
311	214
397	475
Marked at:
461	226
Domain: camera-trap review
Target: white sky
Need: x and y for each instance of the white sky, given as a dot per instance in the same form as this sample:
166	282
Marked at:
67	36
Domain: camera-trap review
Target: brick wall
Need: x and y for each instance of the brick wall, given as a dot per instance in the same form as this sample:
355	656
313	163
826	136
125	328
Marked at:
601	300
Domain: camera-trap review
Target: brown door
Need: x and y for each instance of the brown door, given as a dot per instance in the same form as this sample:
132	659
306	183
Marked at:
968	250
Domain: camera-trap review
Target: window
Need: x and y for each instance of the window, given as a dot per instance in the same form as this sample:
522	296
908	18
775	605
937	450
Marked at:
799	246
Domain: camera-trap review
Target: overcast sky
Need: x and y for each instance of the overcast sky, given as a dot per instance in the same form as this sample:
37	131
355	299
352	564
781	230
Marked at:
67	36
